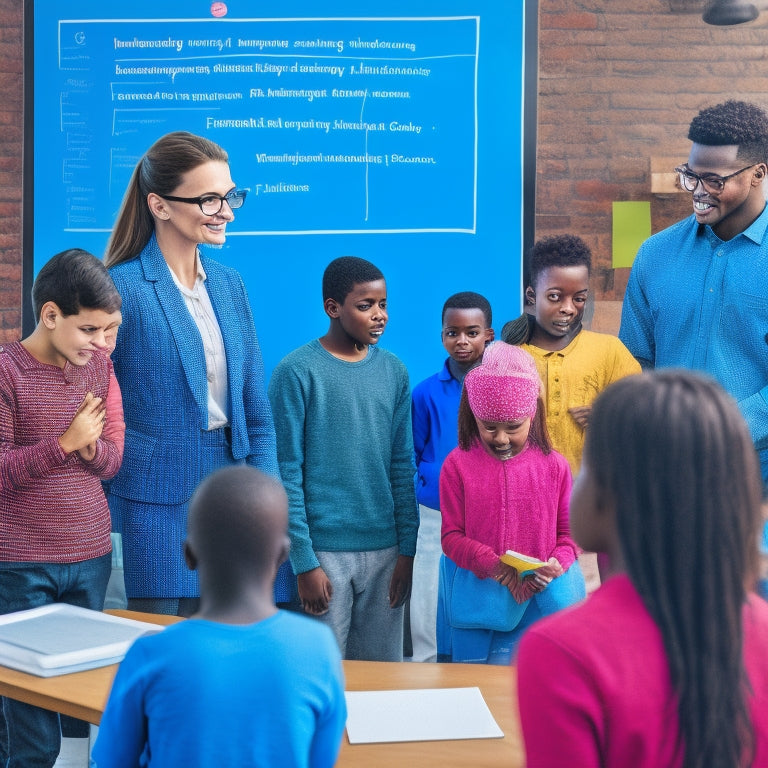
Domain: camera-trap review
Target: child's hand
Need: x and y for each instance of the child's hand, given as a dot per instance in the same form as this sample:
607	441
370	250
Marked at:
581	415
86	426
315	591
400	583
508	577
539	580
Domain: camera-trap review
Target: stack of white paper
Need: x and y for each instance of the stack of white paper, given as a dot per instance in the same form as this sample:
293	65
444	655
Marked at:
59	638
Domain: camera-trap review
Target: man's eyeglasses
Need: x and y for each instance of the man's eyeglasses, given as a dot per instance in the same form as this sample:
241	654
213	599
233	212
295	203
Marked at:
711	181
210	205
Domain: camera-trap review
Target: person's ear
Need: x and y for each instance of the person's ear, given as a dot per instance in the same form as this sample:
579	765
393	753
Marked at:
189	557
530	296
158	207
760	172
49	313
490	335
332	308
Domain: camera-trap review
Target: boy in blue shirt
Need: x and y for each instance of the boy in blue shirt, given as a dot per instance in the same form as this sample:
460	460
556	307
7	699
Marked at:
466	331
342	412
241	682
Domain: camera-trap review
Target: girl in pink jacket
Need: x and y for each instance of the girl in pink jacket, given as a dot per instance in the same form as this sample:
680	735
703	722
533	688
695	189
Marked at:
503	488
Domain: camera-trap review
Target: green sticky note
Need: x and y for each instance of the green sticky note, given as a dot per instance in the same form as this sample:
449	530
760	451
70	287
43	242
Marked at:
631	226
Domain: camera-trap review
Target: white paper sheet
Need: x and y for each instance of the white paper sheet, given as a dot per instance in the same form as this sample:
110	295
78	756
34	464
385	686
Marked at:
431	714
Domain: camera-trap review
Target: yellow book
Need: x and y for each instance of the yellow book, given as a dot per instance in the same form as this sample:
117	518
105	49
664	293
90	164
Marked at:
521	563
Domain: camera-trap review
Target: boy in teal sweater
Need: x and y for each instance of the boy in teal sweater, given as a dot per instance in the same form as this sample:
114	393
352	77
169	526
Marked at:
342	411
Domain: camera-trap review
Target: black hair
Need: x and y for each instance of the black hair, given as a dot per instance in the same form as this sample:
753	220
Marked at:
237	520
555	251
519	331
160	170
558	251
674	453
469	300
733	122
469	433
75	279
344	273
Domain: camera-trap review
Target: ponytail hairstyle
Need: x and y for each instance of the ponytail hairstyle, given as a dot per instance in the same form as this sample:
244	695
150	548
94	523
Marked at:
673	451
159	171
469	433
518	331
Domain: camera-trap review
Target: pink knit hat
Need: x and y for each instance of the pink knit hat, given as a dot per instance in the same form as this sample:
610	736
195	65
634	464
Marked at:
505	386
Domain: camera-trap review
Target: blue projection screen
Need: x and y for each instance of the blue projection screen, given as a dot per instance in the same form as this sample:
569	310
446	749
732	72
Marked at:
393	133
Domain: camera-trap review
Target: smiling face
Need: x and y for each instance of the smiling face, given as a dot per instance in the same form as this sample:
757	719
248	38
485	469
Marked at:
362	316
559	297
465	335
732	209
74	338
503	439
185	222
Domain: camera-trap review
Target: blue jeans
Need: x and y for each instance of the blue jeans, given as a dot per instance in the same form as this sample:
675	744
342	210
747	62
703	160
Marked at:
30	737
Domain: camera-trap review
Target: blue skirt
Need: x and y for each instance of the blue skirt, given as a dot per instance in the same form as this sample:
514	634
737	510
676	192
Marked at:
485	646
153	537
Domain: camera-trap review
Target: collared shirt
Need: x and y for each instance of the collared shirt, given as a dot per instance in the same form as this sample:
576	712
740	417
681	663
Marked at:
435	415
696	301
199	305
573	377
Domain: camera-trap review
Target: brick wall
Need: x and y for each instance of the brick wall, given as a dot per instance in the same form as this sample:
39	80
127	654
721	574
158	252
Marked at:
619	82
11	146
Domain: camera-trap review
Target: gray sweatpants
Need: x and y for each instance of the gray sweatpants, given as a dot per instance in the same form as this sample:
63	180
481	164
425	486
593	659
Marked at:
365	626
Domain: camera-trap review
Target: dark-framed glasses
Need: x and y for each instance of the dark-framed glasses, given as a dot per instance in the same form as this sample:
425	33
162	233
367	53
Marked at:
711	181
210	205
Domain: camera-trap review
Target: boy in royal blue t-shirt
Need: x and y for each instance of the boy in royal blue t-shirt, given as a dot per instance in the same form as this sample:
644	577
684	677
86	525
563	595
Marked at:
466	331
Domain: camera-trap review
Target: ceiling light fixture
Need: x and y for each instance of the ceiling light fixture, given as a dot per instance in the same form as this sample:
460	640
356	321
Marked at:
728	12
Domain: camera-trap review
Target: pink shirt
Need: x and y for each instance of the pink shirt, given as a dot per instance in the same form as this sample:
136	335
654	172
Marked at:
490	506
594	688
52	506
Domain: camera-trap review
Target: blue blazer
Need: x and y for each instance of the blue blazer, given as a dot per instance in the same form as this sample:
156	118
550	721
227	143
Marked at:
160	365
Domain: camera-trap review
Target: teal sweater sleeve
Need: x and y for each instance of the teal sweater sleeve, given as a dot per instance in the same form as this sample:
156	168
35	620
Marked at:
345	451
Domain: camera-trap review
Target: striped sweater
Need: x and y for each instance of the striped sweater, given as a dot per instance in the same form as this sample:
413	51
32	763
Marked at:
52	506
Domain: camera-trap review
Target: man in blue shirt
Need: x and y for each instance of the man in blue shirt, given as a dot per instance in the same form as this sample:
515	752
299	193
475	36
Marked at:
696	296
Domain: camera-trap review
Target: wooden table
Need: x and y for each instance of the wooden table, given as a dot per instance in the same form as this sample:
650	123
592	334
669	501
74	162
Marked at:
84	695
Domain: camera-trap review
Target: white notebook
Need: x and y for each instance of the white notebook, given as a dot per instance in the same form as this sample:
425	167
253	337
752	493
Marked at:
58	639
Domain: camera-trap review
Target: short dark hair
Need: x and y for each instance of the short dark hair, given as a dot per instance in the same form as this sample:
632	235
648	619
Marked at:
559	251
344	273
469	300
733	122
75	279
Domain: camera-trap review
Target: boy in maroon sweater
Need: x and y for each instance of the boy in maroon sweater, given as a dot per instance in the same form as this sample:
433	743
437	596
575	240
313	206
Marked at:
61	434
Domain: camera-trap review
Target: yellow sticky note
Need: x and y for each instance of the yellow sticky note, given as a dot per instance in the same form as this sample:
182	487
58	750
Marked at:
631	226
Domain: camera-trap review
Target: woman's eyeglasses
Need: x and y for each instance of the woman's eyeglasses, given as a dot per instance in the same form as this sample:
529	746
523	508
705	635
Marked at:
210	205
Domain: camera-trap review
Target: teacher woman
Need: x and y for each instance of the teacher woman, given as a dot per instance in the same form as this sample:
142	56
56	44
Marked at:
187	360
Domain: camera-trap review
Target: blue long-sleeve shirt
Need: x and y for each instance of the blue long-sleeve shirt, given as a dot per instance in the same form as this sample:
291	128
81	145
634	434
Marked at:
695	301
345	451
435	414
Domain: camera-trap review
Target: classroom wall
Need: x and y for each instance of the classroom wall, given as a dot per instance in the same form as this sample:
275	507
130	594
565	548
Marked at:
11	134
618	84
